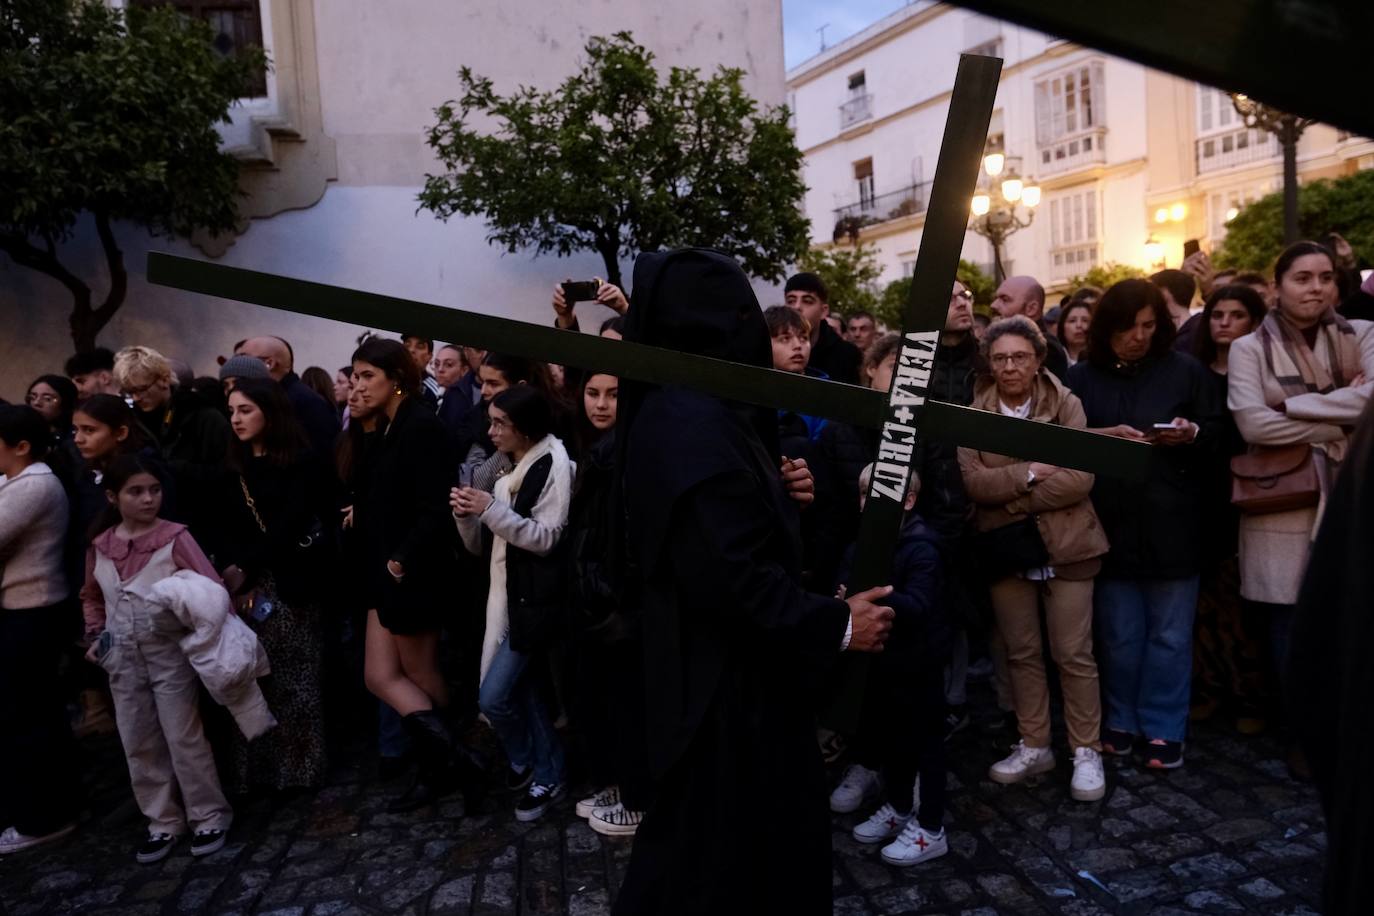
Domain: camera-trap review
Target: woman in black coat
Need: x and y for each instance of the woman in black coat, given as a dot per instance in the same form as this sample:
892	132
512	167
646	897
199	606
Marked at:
405	544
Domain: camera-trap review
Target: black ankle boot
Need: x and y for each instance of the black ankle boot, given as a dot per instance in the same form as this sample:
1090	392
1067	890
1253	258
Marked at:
444	765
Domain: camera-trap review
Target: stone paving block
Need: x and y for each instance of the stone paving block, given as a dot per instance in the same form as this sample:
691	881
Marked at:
1005	889
279	893
1166	847
324	865
412	887
1141	884
337	886
1261	889
498	890
1103	860
58	881
1115	828
1213	902
453	898
245	887
1180	804
589	903
850	906
157	890
1206	869
335	908
899	900
284	911
1240	830
956	891
1152	816
1048	878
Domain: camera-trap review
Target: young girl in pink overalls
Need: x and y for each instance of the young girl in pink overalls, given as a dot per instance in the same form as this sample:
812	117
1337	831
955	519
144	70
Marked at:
156	692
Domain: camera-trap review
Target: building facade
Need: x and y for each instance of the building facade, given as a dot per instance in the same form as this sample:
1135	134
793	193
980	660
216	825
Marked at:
1131	162
334	154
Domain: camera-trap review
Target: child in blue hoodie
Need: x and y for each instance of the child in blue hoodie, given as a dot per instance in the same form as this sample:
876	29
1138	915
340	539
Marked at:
901	728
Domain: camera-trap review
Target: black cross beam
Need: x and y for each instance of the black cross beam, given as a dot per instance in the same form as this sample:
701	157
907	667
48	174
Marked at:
903	416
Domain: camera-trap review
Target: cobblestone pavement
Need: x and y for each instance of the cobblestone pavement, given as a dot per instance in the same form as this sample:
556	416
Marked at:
1227	833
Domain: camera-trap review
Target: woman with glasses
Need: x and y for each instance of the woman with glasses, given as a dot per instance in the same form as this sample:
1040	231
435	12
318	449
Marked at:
1042	538
54	397
1134	385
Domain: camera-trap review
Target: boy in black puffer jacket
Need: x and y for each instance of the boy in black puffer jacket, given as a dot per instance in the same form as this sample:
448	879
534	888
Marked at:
901	727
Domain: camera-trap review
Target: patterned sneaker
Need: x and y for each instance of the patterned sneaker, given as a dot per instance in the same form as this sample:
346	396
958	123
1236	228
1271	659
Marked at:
1164	755
1023	763
858	786
1089	782
885	824
11	840
616	821
608	797
915	845
155	848
207	842
537	800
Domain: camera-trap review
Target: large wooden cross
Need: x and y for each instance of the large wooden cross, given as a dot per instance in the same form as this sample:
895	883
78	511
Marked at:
903	415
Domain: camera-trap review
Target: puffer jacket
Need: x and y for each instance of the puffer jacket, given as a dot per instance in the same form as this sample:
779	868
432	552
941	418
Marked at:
222	649
1064	513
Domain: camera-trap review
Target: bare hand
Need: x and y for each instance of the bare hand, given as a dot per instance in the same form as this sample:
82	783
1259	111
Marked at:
93	652
233	579
799	481
1358	380
562	308
1121	431
872	622
610	295
347	517
397	571
469	501
1043	471
1184	431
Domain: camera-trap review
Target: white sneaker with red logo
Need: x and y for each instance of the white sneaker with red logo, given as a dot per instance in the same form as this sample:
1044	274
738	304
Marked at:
915	845
885	824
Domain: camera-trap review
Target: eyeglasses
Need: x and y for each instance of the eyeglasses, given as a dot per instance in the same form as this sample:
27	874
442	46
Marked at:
138	391
1019	360
43	399
500	424
963	294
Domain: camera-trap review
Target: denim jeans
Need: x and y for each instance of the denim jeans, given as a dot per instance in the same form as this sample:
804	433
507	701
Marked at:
510	700
1145	641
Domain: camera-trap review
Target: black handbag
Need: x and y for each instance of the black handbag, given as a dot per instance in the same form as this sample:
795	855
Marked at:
1010	549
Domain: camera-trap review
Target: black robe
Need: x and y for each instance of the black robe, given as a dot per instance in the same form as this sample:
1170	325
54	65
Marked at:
733	644
1331	680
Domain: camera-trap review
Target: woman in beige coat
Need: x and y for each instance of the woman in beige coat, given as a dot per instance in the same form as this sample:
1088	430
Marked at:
1303	377
1007	491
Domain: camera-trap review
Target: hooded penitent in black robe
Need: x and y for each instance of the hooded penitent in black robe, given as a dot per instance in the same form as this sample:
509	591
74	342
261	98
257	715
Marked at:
732	642
1331	680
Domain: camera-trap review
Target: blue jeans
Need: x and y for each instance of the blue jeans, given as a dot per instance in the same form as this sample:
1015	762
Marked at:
510	701
1145	641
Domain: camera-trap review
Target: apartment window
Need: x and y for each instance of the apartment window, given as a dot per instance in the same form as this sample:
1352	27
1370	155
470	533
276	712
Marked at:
859	105
863	177
1069	103
1215	111
991	48
237	24
857	85
1073	232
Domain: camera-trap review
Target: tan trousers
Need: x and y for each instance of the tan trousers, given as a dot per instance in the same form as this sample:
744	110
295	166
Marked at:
1069	620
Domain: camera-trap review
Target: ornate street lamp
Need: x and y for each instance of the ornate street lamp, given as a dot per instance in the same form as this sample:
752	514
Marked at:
1288	128
1002	207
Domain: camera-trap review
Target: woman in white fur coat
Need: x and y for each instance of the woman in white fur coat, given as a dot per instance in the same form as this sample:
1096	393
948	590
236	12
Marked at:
525	515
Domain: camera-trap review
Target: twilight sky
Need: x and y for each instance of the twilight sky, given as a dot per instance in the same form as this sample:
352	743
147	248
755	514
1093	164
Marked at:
801	19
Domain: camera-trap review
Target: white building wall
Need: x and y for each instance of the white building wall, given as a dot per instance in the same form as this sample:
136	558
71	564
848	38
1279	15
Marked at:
383	68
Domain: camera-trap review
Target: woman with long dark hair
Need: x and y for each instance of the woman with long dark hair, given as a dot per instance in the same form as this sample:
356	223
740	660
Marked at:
401	518
105	427
483	463
54	396
1135	386
526	517
1074	321
272	543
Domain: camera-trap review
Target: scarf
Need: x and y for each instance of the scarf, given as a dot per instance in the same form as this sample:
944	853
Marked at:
1300	369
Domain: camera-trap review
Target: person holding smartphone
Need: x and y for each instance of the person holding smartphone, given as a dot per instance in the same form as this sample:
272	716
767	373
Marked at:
1133	385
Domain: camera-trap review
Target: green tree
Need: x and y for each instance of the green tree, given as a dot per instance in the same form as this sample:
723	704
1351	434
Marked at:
114	116
894	296
619	159
850	276
1344	205
1105	275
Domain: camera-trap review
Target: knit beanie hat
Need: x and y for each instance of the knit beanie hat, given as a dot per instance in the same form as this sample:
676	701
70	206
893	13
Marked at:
242	366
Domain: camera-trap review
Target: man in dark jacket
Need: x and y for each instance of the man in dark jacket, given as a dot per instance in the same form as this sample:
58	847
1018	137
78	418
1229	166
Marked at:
732	642
1025	296
316	416
830	353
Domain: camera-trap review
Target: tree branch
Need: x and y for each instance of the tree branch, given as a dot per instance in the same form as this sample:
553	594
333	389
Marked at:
26	254
119	277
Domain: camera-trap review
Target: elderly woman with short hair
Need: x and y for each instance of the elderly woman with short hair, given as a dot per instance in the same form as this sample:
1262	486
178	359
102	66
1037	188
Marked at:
1042	543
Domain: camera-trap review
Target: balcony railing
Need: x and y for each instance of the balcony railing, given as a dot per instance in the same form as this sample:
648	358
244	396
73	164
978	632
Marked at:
1067	153
882	207
859	108
1238	147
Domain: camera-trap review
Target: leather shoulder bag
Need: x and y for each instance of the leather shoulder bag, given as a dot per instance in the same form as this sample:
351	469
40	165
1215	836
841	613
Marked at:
1276	478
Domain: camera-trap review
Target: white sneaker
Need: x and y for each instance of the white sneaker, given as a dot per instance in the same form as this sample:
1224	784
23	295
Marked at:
915	845
885	824
1023	762
859	785
11	840
1089	782
608	797
616	821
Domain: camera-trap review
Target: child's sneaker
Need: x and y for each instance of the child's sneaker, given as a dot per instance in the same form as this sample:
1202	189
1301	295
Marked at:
608	797
207	842
915	845
616	821
885	824
1022	763
155	849
1089	782
537	801
858	786
1164	755
11	840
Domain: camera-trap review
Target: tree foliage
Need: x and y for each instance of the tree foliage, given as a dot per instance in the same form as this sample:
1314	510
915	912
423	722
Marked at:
850	276
1344	205
115	116
893	300
620	159
1105	275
